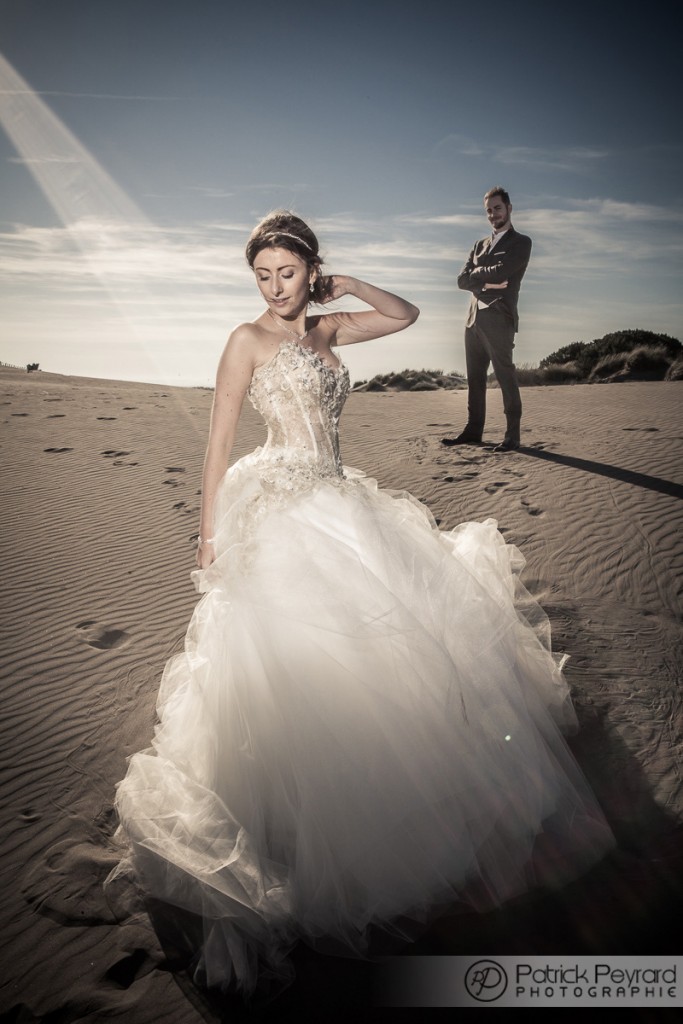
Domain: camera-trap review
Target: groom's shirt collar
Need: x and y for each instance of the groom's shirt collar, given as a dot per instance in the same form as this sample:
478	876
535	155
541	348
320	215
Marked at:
496	237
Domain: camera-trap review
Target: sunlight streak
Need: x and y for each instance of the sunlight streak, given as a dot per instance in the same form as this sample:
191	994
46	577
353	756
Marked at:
96	211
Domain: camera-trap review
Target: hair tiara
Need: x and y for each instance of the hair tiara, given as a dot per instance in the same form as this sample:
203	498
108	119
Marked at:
288	234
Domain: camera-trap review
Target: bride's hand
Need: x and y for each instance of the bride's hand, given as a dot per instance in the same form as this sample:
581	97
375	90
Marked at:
335	286
205	555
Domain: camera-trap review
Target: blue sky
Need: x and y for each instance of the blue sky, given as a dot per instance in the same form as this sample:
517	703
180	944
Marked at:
144	139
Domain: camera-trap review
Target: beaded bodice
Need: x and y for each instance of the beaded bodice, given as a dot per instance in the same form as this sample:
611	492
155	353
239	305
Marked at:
301	398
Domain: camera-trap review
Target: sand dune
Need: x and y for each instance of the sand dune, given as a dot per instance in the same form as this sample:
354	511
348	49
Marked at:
99	510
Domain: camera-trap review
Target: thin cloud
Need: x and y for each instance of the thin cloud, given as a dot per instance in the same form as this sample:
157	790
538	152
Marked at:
275	186
468	220
576	237
575	159
193	270
461	143
35	161
82	95
617	210
128	256
603	236
211	192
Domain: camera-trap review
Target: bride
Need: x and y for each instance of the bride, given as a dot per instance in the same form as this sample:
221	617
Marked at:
364	726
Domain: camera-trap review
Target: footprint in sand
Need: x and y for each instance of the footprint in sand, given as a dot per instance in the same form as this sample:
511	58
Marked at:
20	414
105	417
419	448
532	510
643	430
101	637
118	457
29	815
66	884
457	479
57	451
131	967
56	416
173	469
129	408
495	486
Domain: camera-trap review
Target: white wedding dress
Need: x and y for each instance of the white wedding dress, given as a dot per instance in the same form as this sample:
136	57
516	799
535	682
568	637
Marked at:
363	726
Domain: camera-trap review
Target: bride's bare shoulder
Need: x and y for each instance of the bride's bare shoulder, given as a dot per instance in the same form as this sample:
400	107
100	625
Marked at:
245	343
248	333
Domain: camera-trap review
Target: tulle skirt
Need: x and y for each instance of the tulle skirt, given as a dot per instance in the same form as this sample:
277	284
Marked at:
364	727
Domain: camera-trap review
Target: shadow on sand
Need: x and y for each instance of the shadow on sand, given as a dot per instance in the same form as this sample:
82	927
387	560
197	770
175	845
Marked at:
628	476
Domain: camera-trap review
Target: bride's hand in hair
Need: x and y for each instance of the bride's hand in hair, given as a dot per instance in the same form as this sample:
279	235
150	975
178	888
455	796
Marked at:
336	285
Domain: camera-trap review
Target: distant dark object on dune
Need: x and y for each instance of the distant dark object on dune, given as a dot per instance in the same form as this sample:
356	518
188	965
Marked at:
30	367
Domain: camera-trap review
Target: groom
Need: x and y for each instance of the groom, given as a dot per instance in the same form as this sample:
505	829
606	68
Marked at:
493	273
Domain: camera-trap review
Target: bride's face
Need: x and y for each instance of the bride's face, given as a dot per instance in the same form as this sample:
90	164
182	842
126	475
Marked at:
284	281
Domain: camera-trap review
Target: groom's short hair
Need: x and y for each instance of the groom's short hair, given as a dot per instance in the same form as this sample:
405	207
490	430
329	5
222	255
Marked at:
498	190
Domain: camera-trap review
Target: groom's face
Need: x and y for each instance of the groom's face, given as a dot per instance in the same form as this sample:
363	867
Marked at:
498	213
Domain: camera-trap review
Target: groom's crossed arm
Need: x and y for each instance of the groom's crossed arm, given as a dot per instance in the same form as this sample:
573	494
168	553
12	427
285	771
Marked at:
512	259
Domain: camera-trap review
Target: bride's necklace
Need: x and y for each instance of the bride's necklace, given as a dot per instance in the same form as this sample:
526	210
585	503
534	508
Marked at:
284	326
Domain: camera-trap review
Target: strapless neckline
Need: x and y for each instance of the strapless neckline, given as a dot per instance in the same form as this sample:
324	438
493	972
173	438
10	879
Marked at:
314	357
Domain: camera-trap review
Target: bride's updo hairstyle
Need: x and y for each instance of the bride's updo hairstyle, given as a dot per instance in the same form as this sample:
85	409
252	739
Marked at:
284	230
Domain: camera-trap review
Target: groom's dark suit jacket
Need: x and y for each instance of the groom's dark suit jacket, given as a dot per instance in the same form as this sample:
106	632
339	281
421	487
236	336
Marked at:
507	262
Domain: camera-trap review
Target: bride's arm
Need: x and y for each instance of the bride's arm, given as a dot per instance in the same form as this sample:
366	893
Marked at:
234	375
389	314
